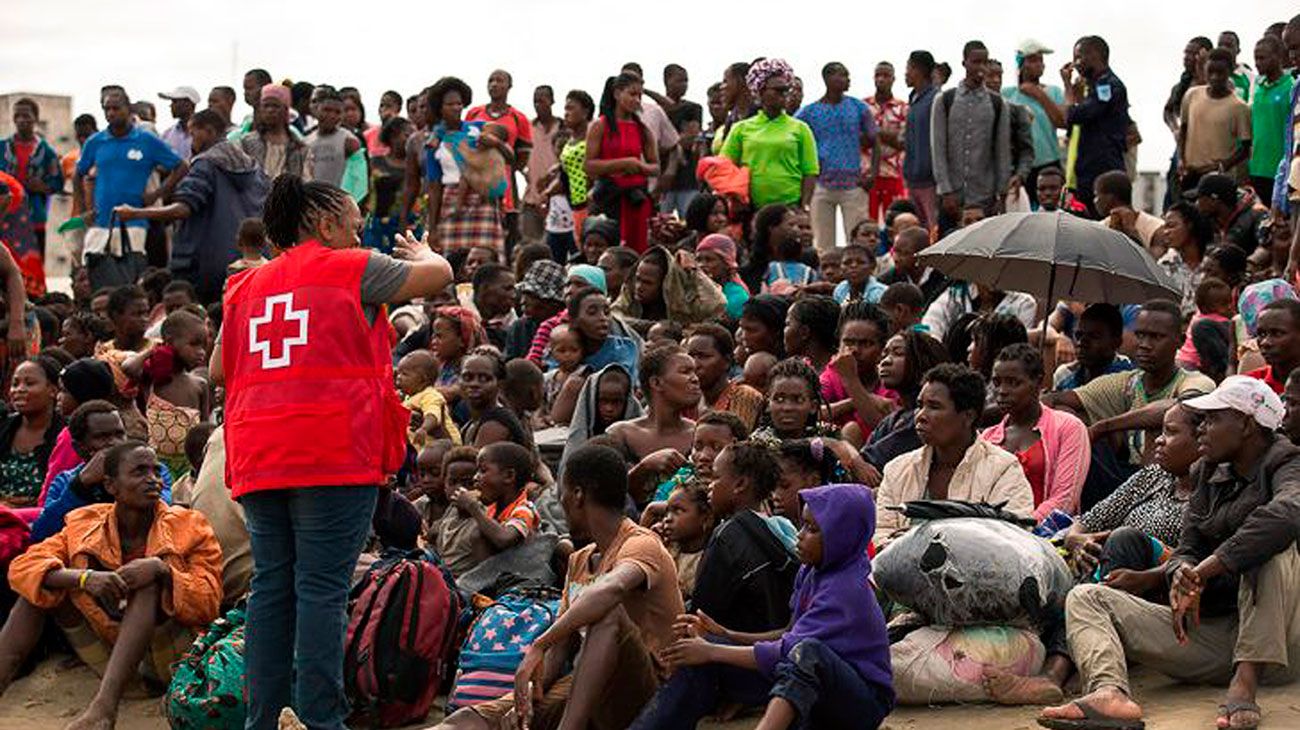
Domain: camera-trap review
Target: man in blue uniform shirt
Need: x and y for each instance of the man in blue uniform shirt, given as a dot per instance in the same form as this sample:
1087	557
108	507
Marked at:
1101	113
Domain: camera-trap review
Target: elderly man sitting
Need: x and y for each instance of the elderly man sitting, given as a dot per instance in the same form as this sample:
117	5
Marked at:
1234	582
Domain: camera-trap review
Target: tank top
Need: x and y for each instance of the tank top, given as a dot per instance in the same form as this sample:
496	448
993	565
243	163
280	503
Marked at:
626	144
328	155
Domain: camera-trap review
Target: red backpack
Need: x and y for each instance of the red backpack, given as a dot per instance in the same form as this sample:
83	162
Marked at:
401	637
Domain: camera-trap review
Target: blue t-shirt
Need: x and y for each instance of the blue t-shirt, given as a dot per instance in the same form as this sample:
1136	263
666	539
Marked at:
1047	148
838	129
617	349
871	293
123	165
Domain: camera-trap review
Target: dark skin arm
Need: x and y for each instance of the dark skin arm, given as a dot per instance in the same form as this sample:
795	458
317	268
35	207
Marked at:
1039	94
166	214
165	190
15	306
412	185
499	536
806	190
567	400
1145	418
596	167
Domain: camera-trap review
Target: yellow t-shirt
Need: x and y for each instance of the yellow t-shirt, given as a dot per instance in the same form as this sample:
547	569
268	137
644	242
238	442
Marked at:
430	401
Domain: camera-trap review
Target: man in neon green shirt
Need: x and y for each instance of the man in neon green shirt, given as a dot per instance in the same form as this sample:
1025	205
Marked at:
1268	113
778	149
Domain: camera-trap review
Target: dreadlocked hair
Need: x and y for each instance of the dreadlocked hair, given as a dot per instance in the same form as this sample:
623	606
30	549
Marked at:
798	368
293	206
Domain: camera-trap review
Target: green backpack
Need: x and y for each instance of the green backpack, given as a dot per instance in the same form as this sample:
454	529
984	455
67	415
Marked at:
207	689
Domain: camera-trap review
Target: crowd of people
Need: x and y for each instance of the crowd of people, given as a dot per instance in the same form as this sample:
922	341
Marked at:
637	328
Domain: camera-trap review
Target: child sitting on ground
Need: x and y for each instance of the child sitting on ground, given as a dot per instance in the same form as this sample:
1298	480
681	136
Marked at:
829	668
417	377
196	442
831	263
566	349
177	398
859	276
1209	335
686	527
501	508
128	582
250	242
426	489
456	536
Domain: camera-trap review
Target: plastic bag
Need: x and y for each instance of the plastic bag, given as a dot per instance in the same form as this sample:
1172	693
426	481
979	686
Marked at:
947	665
970	571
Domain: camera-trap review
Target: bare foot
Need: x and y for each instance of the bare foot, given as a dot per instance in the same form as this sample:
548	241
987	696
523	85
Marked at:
94	718
1107	701
290	721
1006	688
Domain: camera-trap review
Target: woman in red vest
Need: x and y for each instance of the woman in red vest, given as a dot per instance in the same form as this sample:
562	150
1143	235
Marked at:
313	427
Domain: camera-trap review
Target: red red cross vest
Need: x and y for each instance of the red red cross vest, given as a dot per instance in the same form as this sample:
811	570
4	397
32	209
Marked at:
309	382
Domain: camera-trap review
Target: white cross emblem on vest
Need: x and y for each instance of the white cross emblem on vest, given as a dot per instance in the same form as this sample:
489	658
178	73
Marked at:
280	330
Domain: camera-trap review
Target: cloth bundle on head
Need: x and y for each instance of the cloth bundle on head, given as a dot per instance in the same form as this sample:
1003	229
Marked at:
1255	297
606	228
724	247
87	379
763	70
281	93
593	275
468	325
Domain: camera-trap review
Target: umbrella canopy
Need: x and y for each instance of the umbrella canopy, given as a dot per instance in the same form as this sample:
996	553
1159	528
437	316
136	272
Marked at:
1052	256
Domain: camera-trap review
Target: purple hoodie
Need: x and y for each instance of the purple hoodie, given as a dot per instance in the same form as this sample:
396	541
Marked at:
833	602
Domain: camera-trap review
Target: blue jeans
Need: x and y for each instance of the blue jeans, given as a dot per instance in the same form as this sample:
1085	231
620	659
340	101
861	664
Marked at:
811	673
677	200
305	544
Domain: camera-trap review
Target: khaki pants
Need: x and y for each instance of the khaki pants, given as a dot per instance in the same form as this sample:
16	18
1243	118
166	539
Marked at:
1105	627
853	204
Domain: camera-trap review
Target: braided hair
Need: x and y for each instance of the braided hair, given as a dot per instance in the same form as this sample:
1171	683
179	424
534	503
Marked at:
293	206
799	369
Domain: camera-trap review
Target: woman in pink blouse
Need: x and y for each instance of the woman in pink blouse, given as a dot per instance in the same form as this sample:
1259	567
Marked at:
1052	445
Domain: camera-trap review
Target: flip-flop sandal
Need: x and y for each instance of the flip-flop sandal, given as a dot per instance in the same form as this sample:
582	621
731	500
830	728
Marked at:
1092	720
1228	709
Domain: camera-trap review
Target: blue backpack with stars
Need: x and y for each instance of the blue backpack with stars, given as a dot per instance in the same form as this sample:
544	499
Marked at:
496	643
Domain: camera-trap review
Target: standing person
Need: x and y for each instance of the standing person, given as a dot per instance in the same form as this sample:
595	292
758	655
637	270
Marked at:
387	182
457	220
736	99
183	100
970	138
1047	105
918	166
254	81
519	139
1269	104
1193	74
1242	75
306	536
221	99
272	143
1022	138
123	157
579	110
1100	113
329	145
890	114
33	163
687	118
222	187
621	158
1280	204
843	126
1215	128
541	159
390	107
779	150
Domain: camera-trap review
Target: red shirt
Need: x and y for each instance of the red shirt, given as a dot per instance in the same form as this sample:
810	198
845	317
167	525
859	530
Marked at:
1266	374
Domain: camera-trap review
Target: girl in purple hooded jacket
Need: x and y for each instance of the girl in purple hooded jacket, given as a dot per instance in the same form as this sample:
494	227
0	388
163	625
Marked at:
829	669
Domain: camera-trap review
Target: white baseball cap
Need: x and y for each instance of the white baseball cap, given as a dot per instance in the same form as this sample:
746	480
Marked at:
1243	394
1029	47
181	92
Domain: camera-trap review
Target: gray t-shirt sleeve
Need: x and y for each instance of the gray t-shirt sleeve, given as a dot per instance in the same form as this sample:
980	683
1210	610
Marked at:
382	278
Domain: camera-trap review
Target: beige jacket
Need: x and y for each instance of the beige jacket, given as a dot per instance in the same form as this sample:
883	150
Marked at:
986	473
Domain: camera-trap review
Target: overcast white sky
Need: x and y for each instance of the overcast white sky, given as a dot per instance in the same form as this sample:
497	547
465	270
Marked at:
75	46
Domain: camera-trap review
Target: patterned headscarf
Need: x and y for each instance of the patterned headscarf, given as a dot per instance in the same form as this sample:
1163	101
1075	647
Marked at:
763	70
1255	297
468	324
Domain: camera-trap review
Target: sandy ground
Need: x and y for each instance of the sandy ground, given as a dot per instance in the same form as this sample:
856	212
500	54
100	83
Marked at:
51	696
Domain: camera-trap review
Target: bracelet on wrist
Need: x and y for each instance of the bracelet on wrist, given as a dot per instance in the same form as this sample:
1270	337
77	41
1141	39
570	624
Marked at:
81	582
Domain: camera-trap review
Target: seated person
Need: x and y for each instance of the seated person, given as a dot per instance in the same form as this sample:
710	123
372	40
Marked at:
500	506
671	388
416	376
686	527
829	667
456	536
1124	539
907	357
1232	580
715	431
904	304
952	463
1129	404
212	498
1051	445
619	600
125	581
195	443
851	383
602	399
747	572
1098	335
95	427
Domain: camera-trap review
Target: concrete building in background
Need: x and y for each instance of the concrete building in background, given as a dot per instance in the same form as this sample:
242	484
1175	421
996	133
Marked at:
55	125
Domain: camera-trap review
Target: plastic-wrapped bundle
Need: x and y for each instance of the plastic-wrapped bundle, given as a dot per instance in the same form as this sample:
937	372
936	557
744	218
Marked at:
947	665
970	571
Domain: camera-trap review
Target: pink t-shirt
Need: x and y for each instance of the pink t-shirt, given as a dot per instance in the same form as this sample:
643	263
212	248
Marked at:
833	391
1188	357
